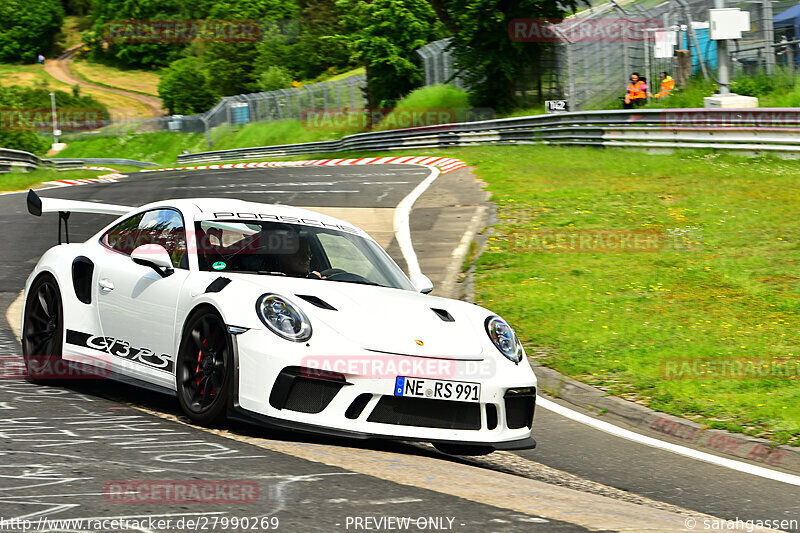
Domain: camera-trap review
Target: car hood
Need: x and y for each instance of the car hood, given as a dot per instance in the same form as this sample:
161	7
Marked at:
383	319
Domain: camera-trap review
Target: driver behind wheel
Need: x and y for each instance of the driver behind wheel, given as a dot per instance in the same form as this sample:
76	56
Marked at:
298	264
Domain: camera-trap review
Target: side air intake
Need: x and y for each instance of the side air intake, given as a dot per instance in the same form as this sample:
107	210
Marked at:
443	314
315	301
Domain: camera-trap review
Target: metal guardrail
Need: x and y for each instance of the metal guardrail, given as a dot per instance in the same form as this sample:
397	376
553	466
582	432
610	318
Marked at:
65	164
9	159
17	158
747	130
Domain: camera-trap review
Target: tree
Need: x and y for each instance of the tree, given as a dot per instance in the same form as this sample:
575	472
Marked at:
385	35
232	66
489	61
28	27
184	88
318	48
129	53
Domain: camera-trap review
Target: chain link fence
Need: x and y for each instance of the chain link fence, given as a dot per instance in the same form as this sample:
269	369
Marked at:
239	110
592	72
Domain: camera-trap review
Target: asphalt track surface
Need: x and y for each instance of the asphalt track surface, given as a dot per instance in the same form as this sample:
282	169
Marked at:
62	444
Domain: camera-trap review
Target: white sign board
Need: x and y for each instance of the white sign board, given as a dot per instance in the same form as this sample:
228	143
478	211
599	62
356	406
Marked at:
556	106
727	23
665	44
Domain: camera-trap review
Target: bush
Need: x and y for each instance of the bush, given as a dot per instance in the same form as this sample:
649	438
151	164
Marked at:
184	88
24	140
437	104
273	78
27	99
435	96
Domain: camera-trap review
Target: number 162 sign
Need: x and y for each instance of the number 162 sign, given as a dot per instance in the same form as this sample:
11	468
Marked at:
556	106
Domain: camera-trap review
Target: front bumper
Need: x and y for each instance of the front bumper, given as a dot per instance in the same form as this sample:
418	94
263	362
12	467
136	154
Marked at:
277	390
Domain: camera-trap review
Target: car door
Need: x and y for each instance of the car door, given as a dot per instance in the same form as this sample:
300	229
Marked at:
136	304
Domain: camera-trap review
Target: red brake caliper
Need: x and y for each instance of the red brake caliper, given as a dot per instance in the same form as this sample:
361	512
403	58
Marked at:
199	367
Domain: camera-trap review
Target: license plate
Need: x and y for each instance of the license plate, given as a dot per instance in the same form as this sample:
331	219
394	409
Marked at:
437	389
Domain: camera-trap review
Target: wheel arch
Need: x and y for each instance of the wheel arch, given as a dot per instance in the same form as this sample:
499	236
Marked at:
200	307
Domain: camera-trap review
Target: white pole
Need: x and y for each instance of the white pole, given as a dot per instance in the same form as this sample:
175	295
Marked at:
55	119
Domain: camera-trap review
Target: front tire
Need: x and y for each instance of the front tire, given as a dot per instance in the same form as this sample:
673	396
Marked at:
42	329
205	369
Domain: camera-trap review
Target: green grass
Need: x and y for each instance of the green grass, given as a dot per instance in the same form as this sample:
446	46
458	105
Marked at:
19	181
778	90
338	76
161	147
131	80
164	147
271	133
612	319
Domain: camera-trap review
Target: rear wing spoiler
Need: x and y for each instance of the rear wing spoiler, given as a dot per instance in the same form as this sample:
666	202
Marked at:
37	206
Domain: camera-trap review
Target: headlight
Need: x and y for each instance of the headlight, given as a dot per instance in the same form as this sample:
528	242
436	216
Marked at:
283	318
504	338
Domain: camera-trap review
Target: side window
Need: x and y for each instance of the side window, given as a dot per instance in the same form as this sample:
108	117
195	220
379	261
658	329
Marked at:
122	237
164	227
160	226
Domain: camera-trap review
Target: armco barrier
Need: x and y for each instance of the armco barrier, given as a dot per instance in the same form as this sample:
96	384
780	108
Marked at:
62	163
17	158
748	130
10	159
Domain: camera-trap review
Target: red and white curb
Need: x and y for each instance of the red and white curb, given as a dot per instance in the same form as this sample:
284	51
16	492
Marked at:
444	164
105	178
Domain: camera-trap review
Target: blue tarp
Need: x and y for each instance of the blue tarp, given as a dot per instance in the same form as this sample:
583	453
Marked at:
708	51
789	18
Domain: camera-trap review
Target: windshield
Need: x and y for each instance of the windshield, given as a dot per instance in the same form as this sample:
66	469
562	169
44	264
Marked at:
281	249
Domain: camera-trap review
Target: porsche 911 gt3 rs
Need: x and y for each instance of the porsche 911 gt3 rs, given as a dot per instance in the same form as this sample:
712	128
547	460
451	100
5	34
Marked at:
278	315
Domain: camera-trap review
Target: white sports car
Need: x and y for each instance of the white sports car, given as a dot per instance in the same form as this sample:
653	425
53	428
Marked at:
278	315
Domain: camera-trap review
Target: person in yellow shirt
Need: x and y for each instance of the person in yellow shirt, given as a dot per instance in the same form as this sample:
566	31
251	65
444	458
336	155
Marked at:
667	85
636	94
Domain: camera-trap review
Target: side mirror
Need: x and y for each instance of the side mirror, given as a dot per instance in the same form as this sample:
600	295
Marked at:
154	256
422	282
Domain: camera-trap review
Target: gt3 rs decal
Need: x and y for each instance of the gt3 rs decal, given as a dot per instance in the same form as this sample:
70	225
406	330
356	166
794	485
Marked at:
121	348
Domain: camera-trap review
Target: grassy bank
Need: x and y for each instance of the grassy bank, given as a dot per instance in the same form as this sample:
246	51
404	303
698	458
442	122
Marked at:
721	287
164	147
137	81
